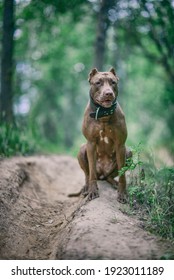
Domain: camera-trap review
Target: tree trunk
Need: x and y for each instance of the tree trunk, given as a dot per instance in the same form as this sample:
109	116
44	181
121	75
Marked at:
6	104
102	28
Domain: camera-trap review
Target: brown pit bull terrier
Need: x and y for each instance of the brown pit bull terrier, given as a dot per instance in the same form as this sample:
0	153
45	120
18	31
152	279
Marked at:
104	127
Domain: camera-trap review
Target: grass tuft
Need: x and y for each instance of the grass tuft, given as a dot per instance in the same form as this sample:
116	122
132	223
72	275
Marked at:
15	141
151	195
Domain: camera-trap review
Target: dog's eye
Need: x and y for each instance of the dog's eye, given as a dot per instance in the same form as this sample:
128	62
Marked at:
113	82
98	83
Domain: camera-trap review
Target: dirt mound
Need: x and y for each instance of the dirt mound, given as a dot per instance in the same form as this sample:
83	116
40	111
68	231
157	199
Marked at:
39	221
34	204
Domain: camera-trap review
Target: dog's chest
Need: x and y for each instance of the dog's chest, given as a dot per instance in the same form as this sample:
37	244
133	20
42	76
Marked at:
105	134
105	142
106	154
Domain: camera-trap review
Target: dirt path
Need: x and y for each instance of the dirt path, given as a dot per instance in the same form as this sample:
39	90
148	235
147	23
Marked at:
39	221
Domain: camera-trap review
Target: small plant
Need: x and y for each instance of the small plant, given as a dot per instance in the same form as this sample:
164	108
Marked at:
133	162
151	194
14	141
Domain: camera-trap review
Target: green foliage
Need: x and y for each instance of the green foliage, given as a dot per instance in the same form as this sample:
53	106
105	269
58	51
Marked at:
13	141
55	69
151	194
54	52
146	27
134	161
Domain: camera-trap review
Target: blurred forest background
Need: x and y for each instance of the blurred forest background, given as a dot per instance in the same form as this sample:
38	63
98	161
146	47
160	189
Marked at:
48	48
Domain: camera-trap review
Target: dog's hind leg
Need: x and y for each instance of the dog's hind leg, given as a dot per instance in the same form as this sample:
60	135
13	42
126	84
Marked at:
113	182
110	179
83	161
128	153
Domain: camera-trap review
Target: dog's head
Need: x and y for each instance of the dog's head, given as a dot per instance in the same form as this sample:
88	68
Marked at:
104	88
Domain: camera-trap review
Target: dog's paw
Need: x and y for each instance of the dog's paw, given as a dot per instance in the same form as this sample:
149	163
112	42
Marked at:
85	191
93	194
122	198
93	190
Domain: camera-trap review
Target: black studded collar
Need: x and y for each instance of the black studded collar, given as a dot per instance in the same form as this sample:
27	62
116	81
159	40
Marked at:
100	111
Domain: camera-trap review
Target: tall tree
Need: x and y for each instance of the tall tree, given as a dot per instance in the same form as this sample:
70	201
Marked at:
103	23
6	96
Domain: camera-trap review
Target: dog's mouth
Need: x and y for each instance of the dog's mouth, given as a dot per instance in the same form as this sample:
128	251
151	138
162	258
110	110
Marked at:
106	103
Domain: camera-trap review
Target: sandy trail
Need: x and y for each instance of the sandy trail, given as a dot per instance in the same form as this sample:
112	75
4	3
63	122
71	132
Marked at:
39	221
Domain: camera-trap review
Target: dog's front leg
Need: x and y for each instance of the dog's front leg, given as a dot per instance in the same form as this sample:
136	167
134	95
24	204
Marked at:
91	154
121	158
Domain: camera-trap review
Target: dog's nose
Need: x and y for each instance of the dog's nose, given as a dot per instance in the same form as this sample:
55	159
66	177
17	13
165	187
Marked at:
108	93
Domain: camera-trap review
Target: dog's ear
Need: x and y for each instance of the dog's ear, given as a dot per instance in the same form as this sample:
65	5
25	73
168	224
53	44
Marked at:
92	73
112	70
